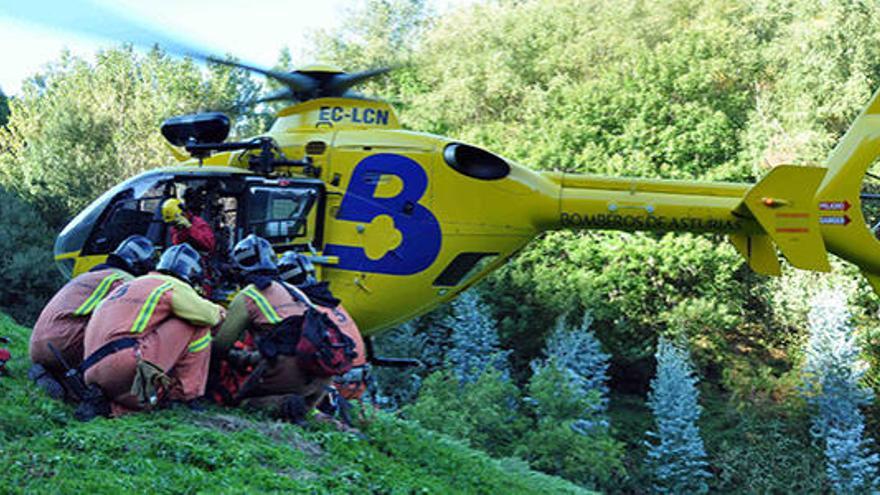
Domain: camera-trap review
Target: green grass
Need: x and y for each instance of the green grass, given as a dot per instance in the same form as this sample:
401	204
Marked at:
44	450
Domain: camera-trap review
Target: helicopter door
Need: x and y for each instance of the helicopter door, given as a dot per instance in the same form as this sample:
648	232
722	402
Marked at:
285	212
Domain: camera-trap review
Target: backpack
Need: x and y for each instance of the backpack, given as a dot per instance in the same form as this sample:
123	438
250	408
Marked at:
322	348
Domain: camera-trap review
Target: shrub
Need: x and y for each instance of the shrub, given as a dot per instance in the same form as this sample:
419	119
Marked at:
485	413
28	277
570	437
832	384
677	458
418	339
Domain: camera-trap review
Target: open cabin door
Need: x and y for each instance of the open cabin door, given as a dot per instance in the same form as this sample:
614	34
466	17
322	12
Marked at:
287	212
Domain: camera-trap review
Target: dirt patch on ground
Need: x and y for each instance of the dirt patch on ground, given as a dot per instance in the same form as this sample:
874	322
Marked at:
276	430
299	474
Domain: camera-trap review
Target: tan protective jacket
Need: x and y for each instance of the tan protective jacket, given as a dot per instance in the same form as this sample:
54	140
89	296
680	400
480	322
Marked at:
257	309
172	324
63	321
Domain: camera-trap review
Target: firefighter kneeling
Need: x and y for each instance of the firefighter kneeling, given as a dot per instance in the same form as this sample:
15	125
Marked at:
297	270
149	341
300	348
56	344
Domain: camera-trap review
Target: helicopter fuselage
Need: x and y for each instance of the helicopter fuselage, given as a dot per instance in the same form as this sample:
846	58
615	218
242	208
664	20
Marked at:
407	220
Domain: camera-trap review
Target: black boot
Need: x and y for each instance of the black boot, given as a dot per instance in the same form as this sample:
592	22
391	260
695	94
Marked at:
39	375
93	404
293	409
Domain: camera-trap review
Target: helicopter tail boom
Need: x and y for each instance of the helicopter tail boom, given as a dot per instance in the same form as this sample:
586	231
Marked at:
777	213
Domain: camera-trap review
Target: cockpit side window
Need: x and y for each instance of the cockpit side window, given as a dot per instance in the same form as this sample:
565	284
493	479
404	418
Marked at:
282	214
130	212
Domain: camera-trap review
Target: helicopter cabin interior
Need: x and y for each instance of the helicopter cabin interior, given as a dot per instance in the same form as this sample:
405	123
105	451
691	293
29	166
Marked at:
286	211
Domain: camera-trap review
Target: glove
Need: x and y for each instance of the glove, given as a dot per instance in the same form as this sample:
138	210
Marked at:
181	222
241	360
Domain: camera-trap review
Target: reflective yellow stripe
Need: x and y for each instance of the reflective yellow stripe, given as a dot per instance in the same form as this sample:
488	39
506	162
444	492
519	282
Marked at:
201	344
97	295
143	317
263	303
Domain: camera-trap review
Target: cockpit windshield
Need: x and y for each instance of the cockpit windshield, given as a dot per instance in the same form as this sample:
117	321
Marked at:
72	238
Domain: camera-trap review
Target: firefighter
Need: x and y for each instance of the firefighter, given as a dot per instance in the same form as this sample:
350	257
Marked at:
187	226
63	321
279	383
298	270
149	342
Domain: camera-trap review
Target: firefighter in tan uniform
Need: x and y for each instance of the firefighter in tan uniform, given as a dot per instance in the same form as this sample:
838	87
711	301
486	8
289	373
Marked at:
297	270
63	321
150	341
280	386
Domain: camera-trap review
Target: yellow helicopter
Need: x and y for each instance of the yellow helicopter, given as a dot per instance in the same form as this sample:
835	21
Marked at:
400	221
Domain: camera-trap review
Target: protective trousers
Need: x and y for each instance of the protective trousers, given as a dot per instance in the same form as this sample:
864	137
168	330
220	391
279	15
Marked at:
173	348
282	380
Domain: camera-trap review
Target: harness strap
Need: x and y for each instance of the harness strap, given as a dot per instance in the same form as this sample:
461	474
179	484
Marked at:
97	295
106	350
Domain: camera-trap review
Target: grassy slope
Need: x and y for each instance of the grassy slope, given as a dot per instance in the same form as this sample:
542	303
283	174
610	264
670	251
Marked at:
43	450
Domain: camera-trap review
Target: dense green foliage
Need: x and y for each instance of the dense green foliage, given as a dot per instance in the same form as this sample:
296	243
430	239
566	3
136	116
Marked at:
484	412
78	127
566	441
490	415
4	108
27	271
43	450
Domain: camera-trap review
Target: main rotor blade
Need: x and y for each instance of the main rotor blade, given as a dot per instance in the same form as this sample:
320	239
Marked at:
340	83
281	94
296	82
87	17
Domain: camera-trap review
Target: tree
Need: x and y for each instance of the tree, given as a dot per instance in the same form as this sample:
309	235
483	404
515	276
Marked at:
570	436
832	376
28	277
78	128
568	392
676	454
379	33
578	354
475	347
4	108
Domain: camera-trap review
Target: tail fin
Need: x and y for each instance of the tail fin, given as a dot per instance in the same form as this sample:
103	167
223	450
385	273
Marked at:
852	239
783	203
